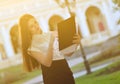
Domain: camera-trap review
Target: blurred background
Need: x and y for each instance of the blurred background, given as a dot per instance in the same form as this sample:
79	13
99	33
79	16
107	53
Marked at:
99	27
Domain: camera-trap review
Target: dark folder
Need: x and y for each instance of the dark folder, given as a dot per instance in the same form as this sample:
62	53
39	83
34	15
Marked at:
66	31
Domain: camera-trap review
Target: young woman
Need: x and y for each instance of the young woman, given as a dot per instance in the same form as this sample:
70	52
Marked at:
54	67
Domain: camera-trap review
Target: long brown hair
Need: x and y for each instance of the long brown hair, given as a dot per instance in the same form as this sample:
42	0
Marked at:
29	62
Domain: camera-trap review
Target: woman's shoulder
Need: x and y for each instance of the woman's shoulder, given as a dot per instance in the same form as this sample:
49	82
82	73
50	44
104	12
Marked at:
41	35
40	42
41	38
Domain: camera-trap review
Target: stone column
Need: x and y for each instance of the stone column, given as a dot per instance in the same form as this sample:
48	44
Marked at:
109	18
43	24
7	43
83	23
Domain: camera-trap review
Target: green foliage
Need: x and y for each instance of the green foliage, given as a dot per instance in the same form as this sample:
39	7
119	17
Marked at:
9	77
118	22
117	2
16	75
113	78
103	76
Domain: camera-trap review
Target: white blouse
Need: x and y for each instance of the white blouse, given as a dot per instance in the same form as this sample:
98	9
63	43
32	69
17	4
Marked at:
40	43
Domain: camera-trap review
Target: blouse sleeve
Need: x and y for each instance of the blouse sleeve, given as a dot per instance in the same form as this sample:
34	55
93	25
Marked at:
40	43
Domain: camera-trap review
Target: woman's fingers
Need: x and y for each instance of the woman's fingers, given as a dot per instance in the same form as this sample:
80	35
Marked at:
76	39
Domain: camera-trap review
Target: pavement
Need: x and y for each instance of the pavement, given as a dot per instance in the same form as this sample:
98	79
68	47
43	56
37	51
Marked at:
72	62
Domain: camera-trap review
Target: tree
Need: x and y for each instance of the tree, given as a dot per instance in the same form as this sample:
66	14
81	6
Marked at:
117	2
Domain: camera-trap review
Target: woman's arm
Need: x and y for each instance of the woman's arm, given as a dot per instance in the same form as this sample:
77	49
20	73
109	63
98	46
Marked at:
45	59
76	40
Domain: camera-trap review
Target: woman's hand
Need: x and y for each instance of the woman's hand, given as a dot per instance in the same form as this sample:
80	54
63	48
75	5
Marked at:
54	33
68	54
76	39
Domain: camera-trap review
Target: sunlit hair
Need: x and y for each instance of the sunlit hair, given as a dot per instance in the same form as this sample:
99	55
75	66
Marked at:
29	62
14	37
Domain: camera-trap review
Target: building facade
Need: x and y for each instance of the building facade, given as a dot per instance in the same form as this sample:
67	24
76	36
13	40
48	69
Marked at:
95	18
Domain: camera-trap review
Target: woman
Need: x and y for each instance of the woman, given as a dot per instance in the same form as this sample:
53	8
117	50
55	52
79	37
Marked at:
54	67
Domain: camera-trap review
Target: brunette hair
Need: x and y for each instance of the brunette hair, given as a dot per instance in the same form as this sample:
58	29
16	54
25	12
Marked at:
29	62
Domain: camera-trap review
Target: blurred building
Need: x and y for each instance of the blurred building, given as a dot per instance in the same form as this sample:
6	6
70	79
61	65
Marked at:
97	20
2	50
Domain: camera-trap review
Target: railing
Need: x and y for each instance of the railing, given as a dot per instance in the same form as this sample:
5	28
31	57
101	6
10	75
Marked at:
96	38
15	60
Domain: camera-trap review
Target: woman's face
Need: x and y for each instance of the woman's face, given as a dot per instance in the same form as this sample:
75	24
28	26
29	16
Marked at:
34	27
